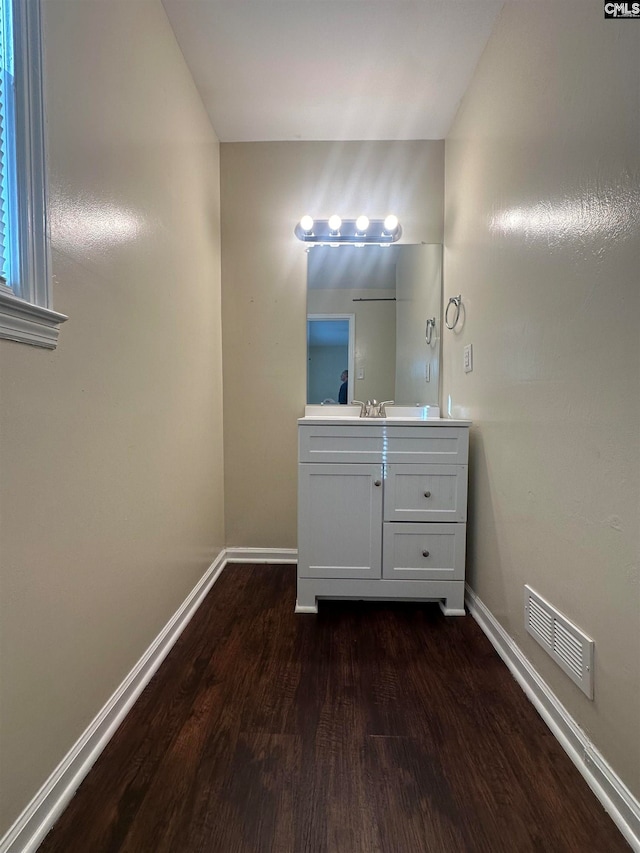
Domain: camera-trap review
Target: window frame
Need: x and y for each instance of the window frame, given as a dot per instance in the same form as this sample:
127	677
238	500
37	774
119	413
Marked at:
27	315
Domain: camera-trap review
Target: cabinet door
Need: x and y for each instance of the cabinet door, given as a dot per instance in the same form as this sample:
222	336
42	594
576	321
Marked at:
425	493
340	521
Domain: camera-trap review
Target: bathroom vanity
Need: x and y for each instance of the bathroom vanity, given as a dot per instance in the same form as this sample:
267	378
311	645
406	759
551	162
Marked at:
382	509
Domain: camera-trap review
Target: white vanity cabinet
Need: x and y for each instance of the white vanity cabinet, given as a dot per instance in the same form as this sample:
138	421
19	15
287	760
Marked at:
382	510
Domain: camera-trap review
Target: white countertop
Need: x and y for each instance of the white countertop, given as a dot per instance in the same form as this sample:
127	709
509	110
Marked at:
390	421
399	415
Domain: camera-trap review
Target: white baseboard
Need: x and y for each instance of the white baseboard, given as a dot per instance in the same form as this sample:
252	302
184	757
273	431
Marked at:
36	820
616	798
261	555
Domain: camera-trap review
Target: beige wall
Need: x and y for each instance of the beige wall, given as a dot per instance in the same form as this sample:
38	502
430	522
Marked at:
265	189
111	469
542	241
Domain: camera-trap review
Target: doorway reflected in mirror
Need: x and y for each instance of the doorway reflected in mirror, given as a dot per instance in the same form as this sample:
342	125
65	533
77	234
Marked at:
330	348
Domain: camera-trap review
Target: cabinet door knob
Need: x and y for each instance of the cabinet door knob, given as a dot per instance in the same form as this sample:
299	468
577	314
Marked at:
377	483
425	553
427	494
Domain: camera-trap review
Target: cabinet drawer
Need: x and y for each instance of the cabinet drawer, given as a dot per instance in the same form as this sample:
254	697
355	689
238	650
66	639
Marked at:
423	551
423	444
323	443
425	493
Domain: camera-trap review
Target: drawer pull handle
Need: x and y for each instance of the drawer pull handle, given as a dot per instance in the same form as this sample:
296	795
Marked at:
425	553
427	494
377	483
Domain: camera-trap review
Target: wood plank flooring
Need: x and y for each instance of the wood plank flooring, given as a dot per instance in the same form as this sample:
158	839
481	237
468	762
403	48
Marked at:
370	728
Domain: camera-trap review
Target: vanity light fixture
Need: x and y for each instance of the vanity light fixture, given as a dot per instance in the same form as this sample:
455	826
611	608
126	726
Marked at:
306	223
359	232
391	224
334	224
362	223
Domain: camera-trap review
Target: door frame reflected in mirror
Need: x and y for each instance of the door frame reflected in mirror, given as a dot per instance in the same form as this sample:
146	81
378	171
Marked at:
351	355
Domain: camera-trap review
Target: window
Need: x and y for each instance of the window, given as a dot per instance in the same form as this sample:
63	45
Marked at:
26	312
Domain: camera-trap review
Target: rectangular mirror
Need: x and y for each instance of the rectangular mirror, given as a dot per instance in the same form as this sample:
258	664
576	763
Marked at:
375	313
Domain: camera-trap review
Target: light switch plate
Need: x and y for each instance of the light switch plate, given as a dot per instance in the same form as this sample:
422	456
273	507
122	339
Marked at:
468	358
360	373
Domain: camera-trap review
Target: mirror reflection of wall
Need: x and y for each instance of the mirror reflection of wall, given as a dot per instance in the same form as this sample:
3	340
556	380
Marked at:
419	298
391	291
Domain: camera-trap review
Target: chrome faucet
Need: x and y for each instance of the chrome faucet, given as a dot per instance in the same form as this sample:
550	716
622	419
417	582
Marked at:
373	409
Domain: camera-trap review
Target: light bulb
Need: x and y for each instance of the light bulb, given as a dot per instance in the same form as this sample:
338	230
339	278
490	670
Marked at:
390	223
362	223
306	223
335	222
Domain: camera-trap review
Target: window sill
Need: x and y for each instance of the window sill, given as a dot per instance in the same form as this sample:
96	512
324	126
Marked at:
27	323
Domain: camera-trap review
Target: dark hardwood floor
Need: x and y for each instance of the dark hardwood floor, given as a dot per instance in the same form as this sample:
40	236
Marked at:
370	727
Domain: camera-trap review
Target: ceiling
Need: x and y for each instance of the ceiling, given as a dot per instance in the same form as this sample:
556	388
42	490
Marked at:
271	70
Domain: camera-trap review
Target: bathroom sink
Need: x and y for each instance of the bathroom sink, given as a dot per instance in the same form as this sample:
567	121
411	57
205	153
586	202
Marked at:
413	413
329	411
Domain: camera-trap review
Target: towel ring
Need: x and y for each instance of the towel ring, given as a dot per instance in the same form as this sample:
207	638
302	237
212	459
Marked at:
431	324
454	300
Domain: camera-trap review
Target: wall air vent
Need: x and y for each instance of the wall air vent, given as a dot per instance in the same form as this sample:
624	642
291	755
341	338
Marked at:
570	648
